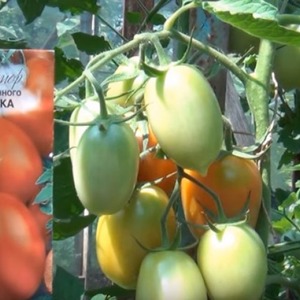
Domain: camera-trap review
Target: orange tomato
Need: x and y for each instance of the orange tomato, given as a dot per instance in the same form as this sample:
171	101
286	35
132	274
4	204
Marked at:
233	179
22	250
152	167
20	162
33	109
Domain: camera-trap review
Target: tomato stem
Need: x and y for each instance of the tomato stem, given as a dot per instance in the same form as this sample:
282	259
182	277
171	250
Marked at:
104	57
166	243
258	93
169	23
103	110
228	135
162	56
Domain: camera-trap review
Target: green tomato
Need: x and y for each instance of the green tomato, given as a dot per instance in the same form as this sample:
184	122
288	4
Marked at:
85	112
105	167
170	275
287	66
185	117
118	252
233	263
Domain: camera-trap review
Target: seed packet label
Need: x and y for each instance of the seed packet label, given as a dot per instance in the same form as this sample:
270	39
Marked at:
26	147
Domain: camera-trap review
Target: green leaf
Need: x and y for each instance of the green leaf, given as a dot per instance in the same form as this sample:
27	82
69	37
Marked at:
69	69
133	17
32	9
158	19
90	44
66	228
45	194
46	176
65	201
76	6
66	286
256	17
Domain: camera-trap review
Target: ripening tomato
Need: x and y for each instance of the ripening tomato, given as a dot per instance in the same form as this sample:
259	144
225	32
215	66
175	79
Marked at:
166	275
233	262
22	250
185	116
105	166
20	163
233	179
118	252
33	106
152	167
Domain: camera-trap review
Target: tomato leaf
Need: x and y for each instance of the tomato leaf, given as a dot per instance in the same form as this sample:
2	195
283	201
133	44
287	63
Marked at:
45	195
66	228
32	10
66	68
66	286
65	200
257	18
75	6
90	44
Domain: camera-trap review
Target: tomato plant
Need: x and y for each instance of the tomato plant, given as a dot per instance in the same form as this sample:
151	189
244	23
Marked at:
118	236
20	164
152	167
168	275
233	262
182	93
22	251
233	180
105	167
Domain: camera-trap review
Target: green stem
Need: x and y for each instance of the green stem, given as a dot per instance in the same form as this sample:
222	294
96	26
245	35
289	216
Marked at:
103	110
228	134
162	56
169	23
163	222
258	94
220	57
101	59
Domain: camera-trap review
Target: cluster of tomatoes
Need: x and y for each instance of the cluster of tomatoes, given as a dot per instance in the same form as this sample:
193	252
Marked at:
26	130
125	172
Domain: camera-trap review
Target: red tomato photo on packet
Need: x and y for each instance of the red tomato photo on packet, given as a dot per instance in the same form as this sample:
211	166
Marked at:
26	146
